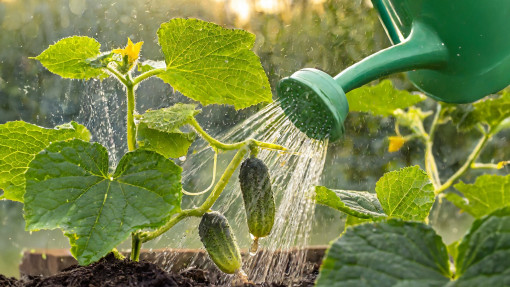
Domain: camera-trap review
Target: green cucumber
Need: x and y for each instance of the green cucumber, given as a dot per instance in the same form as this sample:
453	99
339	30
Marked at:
257	196
220	242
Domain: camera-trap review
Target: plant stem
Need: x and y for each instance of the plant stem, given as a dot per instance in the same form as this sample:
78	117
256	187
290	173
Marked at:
223	146
430	161
117	75
212	141
131	126
208	203
147	75
430	164
117	254
433	126
485	166
472	157
136	245
236	161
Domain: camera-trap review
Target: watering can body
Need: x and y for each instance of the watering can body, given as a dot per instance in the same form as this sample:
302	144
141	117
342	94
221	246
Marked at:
454	51
472	32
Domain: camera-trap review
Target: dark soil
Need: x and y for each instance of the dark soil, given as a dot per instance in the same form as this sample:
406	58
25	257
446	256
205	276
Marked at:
110	271
8	282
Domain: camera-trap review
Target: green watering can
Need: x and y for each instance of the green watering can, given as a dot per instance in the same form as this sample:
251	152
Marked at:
455	51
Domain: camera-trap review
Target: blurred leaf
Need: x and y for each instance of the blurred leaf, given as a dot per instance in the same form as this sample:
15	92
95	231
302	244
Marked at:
406	193
381	100
355	203
175	144
390	253
19	144
70	58
211	64
487	194
169	119
492	111
69	187
460	115
482	258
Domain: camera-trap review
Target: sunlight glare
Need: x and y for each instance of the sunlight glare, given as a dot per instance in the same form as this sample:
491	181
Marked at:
269	6
242	9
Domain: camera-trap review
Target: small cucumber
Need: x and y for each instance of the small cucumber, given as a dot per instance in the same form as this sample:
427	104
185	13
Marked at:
220	242
257	196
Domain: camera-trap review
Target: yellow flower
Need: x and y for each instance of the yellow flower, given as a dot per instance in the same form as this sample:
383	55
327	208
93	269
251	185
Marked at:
131	50
502	164
396	143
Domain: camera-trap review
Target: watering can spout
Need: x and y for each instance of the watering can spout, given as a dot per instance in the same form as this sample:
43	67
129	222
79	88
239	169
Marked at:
423	49
316	103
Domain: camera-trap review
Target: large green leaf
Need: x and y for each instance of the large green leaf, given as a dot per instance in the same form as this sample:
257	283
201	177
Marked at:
71	58
392	253
175	144
69	187
487	194
483	255
406	193
356	203
212	64
169	119
382	99
20	142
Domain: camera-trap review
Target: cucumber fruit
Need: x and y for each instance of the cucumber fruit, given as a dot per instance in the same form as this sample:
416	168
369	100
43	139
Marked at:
220	242
257	196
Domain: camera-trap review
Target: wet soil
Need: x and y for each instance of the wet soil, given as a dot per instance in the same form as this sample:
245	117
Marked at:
110	271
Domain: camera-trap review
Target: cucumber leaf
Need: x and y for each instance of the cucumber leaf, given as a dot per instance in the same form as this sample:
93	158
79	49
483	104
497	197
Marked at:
482	258
169	119
390	253
407	193
212	64
355	203
73	58
174	144
19	144
399	253
487	194
382	99
69	187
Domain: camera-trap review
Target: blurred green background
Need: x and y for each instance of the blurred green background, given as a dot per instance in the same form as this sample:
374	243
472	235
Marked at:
291	34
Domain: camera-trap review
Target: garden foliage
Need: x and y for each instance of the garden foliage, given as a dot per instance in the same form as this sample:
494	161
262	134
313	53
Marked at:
387	240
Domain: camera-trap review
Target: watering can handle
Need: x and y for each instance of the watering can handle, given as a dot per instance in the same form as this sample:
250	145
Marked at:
387	21
423	49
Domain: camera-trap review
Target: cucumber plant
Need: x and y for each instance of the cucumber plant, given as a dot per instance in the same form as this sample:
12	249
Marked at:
65	181
387	240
